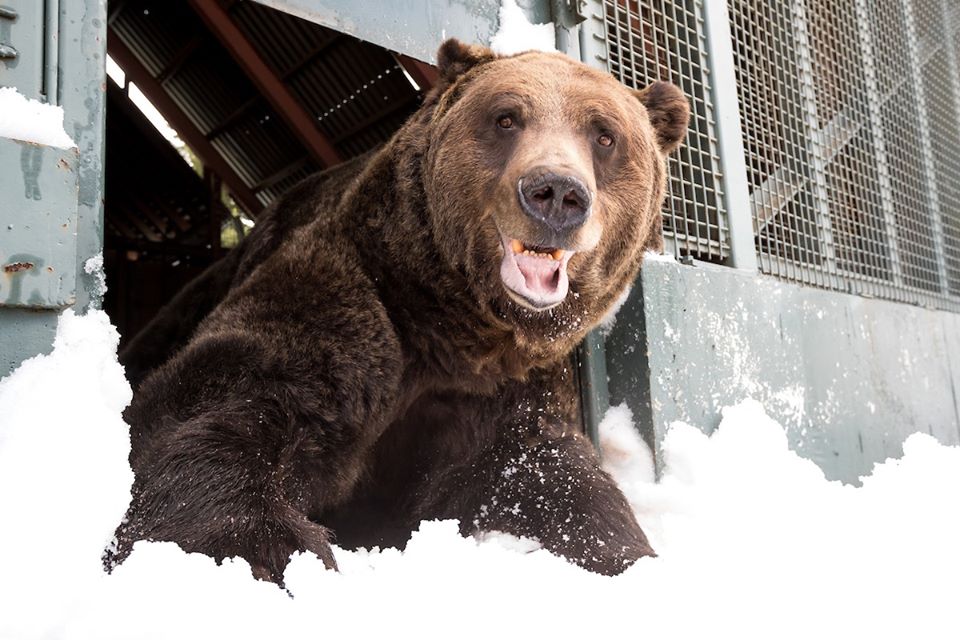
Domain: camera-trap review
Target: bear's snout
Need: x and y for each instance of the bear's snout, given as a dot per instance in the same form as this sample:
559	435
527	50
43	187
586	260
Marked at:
560	201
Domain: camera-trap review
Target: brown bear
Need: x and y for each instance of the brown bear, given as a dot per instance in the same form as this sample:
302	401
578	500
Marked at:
404	352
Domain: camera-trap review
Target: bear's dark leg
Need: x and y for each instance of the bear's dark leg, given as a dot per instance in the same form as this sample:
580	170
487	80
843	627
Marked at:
538	476
265	419
226	491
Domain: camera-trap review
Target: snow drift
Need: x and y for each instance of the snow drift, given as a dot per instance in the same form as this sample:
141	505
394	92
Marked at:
753	541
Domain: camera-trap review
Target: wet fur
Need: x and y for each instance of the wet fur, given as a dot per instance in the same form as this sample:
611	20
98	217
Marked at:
365	370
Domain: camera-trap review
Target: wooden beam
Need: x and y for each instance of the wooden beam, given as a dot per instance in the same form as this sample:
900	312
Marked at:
133	217
116	6
423	74
231	120
320	49
392	107
283	173
278	94
180	59
181	123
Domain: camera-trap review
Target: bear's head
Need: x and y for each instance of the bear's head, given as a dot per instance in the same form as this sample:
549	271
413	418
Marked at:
544	180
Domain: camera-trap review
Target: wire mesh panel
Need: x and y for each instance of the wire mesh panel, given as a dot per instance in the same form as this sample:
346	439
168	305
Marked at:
851	125
649	40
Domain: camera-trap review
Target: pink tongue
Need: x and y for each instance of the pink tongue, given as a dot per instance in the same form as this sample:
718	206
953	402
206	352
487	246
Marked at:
541	275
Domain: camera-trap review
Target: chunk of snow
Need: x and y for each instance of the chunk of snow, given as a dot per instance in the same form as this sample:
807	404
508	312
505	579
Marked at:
609	320
64	477
32	121
516	34
753	542
94	267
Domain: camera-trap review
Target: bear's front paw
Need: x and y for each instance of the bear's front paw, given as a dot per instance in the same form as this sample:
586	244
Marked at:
611	559
269	558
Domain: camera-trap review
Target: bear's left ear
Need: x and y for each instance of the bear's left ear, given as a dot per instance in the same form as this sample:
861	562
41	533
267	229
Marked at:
669	113
455	58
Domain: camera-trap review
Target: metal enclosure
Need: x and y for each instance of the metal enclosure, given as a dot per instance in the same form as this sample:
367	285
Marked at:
823	160
824	150
50	199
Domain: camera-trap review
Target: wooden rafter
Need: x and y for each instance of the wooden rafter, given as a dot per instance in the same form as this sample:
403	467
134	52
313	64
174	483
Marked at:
181	57
181	123
281	174
311	56
234	117
218	20
423	74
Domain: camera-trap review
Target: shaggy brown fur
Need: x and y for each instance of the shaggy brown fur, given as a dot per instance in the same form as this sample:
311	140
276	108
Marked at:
175	323
372	369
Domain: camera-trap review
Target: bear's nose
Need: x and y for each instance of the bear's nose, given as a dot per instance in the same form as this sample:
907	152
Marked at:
562	202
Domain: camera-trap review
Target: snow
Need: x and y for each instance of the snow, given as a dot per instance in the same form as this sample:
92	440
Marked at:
753	542
31	121
94	267
516	34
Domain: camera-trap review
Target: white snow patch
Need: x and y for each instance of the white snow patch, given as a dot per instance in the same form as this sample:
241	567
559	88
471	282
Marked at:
653	256
516	34
94	267
64	477
753	542
609	320
32	121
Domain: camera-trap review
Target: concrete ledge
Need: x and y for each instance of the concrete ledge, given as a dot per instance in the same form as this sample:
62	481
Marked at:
849	377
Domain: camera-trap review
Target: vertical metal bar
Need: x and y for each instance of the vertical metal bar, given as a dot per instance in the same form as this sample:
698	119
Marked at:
593	41
951	20
929	170
51	50
815	135
591	354
950	14
868	58
594	390
726	112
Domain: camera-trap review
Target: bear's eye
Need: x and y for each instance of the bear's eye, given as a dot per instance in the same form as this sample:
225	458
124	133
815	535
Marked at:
605	140
505	122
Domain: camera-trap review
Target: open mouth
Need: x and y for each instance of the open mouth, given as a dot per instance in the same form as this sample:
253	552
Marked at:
534	276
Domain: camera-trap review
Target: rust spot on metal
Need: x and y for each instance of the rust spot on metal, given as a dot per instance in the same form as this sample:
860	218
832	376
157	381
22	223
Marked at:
14	267
49	269
63	164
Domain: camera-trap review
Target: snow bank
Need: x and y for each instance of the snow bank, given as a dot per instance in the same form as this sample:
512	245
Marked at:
753	541
31	121
516	34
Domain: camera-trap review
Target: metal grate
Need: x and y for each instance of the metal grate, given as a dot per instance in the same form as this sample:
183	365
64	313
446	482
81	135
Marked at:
650	40
851	127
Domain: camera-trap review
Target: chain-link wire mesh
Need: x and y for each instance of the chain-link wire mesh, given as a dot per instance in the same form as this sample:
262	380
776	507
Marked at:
650	40
851	126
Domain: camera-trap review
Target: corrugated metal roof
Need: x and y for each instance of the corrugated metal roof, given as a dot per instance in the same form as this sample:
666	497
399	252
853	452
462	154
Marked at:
355	91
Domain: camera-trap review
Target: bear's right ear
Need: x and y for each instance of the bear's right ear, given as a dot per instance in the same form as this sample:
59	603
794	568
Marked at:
455	58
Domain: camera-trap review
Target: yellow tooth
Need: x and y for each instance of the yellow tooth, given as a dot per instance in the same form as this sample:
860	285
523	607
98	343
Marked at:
557	254
517	246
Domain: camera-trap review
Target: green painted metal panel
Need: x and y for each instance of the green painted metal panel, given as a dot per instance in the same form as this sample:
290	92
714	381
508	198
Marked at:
848	377
51	209
413	27
38	239
82	94
22	43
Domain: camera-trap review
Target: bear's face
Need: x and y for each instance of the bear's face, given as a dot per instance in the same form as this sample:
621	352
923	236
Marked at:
545	179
